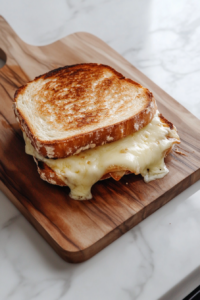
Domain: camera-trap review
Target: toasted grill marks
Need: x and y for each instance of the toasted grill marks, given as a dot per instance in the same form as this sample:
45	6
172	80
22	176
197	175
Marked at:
84	106
70	90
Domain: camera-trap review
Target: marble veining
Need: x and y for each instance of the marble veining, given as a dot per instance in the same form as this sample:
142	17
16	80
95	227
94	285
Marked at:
146	266
161	38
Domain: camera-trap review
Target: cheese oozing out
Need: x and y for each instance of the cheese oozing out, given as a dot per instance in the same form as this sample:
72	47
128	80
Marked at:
142	153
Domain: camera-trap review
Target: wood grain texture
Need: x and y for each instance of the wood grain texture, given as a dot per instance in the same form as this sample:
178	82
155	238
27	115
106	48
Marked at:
77	230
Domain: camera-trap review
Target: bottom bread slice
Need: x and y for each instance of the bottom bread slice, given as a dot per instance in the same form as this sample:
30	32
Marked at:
49	175
142	153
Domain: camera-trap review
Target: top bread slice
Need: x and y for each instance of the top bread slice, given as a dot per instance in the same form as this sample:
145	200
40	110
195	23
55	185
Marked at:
78	107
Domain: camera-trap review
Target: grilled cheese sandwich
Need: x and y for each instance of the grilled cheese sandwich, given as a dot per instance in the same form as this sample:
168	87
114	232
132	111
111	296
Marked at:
87	122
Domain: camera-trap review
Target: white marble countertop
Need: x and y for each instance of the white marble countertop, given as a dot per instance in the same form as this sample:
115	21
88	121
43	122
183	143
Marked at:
159	258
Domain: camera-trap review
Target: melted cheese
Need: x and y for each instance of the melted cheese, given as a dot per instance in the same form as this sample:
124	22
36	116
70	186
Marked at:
142	153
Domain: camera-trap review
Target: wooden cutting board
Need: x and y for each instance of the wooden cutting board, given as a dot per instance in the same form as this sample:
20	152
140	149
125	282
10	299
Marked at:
77	230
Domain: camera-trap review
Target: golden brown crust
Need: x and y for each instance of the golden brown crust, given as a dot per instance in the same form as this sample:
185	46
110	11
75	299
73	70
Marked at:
66	147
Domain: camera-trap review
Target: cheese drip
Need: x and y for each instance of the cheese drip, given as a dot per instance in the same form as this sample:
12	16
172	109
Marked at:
142	153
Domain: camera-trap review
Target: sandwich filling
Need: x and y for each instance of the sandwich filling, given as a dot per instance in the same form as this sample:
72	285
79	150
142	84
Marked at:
142	153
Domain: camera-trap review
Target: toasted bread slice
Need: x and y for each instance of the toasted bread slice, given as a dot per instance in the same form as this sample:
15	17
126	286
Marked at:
78	107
